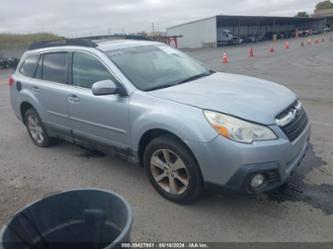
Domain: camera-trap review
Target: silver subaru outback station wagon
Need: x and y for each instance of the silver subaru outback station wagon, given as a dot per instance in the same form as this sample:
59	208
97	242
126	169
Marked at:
190	127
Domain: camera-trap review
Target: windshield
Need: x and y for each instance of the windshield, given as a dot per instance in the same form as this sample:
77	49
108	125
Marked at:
156	66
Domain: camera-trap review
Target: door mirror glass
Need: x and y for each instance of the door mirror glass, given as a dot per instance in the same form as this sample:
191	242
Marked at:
104	87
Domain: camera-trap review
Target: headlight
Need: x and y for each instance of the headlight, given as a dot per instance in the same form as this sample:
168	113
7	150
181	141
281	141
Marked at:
237	129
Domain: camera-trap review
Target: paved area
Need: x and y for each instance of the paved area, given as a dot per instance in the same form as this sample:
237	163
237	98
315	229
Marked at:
301	211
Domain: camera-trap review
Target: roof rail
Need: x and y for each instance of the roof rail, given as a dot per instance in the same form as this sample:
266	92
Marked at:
64	42
117	36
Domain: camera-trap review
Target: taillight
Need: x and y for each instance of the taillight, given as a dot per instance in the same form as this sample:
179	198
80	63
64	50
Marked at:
11	80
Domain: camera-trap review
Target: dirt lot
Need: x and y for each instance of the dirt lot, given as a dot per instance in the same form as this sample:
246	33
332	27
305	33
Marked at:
302	211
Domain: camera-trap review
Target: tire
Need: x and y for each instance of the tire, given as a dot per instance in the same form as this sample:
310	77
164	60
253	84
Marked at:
31	117
169	179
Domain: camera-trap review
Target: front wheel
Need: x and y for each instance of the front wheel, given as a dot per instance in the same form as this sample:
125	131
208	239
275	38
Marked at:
172	170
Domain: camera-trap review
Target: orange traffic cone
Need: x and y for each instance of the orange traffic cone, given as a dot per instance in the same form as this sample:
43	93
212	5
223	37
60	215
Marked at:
272	49
251	52
302	44
317	41
286	45
225	59
309	41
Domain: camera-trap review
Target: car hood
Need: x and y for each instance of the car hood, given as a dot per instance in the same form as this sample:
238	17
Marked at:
246	97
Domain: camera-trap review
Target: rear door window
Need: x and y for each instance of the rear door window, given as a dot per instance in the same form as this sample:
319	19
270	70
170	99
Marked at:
29	66
55	67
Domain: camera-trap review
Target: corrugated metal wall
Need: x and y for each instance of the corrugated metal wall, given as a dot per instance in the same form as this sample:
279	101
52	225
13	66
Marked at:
196	34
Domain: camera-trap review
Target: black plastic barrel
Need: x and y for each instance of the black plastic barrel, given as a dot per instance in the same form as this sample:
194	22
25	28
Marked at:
83	218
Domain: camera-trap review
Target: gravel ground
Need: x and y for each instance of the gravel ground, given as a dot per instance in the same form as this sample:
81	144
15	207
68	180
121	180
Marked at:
301	211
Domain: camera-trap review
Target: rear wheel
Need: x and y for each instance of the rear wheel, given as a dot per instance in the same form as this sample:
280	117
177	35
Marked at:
36	129
172	169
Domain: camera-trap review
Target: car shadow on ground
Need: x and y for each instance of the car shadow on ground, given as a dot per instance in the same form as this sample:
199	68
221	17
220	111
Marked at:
295	190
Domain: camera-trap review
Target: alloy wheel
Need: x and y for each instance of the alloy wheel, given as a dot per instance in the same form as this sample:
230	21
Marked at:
36	129
169	171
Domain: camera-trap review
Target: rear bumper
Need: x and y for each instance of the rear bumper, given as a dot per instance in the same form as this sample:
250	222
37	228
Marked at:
229	166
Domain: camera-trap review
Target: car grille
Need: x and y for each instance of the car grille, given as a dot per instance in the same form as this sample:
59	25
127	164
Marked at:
297	125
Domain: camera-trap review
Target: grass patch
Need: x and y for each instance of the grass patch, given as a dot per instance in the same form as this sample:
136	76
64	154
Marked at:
22	41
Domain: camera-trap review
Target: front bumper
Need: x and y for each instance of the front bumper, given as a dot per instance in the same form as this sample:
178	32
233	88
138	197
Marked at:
229	165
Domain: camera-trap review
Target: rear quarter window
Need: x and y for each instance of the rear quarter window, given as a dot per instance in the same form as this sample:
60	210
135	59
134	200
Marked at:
29	66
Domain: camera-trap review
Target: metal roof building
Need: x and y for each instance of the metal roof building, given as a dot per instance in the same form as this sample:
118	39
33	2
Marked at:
327	15
206	32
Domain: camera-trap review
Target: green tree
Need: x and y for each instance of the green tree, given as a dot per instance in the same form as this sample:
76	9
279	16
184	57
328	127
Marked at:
302	14
324	5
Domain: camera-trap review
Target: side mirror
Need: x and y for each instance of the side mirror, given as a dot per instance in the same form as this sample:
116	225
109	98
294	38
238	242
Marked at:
104	87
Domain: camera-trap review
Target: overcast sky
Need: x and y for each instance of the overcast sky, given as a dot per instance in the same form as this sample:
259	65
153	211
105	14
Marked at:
94	17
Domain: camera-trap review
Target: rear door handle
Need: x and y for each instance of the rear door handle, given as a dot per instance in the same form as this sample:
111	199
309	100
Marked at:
73	99
35	89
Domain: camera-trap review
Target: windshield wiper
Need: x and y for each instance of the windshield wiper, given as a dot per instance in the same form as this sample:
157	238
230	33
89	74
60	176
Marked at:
160	87
181	81
198	76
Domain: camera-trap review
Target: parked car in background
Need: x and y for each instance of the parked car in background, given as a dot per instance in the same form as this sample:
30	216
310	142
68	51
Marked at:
304	33
268	36
191	128
294	33
327	29
240	40
284	35
225	37
316	32
251	38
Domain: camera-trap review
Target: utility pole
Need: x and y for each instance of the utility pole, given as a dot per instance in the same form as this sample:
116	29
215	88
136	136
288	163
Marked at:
153	27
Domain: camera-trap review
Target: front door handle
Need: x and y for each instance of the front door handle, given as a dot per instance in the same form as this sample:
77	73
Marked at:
73	99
